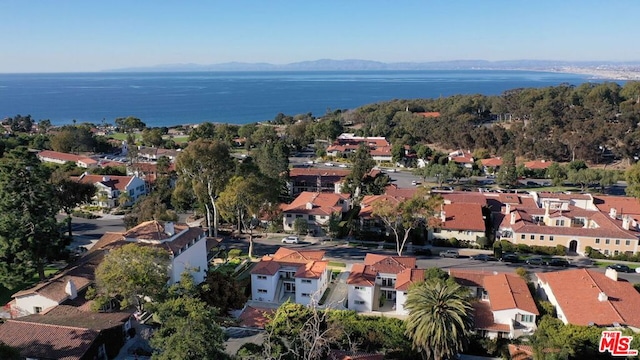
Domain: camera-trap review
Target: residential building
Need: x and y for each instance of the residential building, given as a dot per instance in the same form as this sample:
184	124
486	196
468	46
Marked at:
110	187
586	297
52	292
463	221
504	307
537	164
464	159
153	154
57	157
187	246
491	165
67	332
148	171
315	208
315	180
571	220
346	143
372	284
299	275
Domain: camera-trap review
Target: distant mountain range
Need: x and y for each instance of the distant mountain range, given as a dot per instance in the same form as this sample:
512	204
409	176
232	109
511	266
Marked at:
356	65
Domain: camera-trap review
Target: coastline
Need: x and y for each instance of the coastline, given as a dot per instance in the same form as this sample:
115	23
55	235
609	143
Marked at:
621	74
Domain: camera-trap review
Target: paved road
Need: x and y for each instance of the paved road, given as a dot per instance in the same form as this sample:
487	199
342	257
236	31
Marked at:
87	231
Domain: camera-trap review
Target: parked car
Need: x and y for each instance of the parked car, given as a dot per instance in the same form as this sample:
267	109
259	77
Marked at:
558	262
620	268
343	165
420	251
291	240
328	164
450	253
536	260
415	183
484	257
510	258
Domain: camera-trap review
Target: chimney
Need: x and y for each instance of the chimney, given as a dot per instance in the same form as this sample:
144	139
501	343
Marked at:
106	178
309	206
602	296
169	229
626	221
613	213
513	218
71	290
611	274
507	208
443	216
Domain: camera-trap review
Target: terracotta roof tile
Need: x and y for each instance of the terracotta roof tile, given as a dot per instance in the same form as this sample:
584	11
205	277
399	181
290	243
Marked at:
577	294
537	164
389	264
483	318
312	270
468	277
60	155
405	278
461	216
359	277
493	162
66	315
622	204
111	181
321	203
255	317
464	197
308	262
45	341
507	291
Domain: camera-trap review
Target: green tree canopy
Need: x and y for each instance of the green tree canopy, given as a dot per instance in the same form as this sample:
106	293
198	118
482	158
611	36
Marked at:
440	318
29	233
129	124
133	272
69	193
222	291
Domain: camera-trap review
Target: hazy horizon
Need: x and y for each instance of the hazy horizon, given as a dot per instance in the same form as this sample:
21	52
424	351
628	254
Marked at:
80	36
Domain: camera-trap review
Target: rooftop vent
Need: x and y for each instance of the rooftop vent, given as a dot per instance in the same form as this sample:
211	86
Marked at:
602	296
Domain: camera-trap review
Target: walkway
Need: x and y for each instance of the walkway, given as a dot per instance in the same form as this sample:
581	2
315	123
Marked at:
339	291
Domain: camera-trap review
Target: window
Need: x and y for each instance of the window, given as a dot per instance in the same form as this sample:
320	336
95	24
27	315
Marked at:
526	318
288	215
306	295
615	252
306	281
298	216
617	241
262	291
606	252
533	237
541	237
37	309
359	302
627	242
359	288
262	277
607	241
312	217
550	237
597	241
131	192
559	222
522	237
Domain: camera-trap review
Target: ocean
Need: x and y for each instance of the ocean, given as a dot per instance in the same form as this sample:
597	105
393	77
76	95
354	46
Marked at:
166	99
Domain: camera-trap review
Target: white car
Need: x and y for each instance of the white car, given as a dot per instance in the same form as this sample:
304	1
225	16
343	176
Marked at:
328	164
415	183
342	165
291	240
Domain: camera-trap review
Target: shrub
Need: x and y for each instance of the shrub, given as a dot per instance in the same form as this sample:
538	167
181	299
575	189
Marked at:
84	214
234	253
453	242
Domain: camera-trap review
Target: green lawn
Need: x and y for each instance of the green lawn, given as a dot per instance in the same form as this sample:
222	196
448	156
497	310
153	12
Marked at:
337	264
604	264
5	294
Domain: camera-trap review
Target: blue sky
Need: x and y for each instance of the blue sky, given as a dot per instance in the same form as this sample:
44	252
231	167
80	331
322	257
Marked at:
74	35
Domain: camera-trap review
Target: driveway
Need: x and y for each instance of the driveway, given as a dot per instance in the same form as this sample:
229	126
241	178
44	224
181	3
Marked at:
339	291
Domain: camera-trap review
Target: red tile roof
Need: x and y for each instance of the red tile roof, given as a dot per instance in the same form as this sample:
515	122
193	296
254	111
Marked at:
462	216
255	317
374	264
493	162
468	277
405	278
316	203
44	341
368	201
537	164
507	291
465	197
309	263
484	320
394	190
295	172
622	204
577	294
59	155
111	181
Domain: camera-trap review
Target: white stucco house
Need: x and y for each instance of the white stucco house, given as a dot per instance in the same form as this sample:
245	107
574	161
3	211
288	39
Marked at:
300	276
463	221
586	297
372	285
61	158
314	207
53	292
187	246
504	306
109	188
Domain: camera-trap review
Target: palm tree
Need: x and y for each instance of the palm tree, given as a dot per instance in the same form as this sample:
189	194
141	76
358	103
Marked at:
440	318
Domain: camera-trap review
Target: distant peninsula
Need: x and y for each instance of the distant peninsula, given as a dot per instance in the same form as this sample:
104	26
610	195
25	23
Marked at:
598	69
